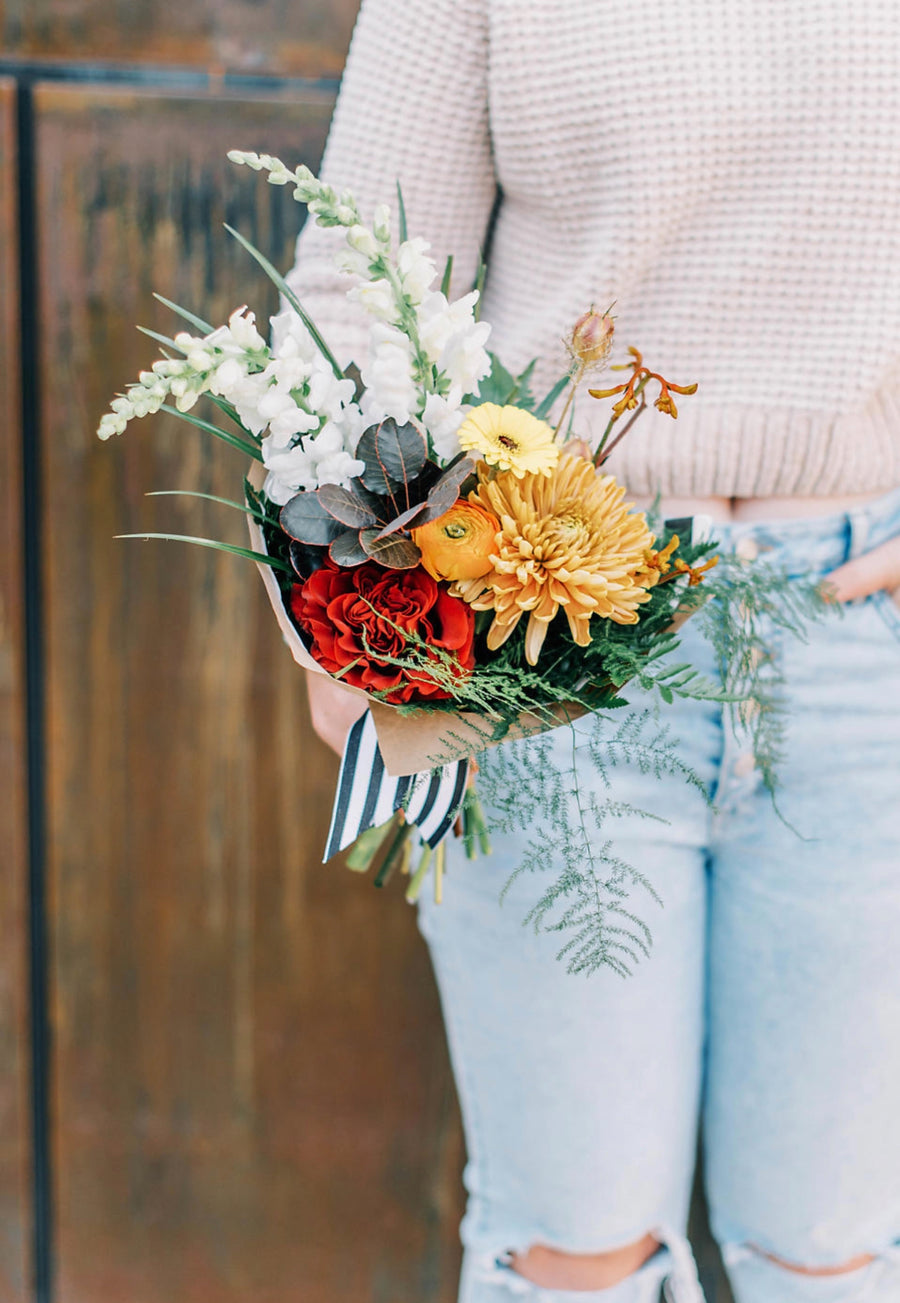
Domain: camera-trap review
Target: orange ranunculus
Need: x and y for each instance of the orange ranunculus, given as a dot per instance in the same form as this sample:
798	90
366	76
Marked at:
459	544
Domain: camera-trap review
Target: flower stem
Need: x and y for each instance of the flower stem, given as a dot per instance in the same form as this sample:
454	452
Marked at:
408	321
599	459
621	435
474	826
361	855
440	856
415	885
576	381
394	854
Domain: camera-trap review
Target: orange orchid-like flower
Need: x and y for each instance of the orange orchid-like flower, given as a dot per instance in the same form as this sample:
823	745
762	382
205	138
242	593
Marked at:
695	573
632	388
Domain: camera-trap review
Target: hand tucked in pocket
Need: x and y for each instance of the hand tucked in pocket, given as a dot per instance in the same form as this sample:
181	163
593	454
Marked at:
869	573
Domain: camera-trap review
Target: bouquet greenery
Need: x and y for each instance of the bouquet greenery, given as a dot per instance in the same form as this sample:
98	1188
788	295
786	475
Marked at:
434	537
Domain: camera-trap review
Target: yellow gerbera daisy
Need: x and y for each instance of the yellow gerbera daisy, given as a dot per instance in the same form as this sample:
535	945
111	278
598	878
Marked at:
566	541
510	439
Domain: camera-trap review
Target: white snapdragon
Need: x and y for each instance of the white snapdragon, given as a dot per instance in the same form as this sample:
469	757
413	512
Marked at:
237	384
143	399
417	271
465	360
279	174
377	298
363	257
314	423
322	460
239	337
267	388
453	340
390	388
111	424
284	417
333	463
330	397
210	364
246	395
289	397
290	338
352	263
187	388
244	334
199	358
288	370
442	417
321	200
290	470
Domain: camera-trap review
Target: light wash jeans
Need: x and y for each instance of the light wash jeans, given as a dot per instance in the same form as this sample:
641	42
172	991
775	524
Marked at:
772	993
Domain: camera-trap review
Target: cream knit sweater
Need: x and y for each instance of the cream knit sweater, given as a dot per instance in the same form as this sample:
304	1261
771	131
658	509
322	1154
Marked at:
726	171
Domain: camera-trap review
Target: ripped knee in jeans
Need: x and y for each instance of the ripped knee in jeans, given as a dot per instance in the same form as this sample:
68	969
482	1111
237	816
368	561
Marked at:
633	1273
761	1273
553	1268
837	1269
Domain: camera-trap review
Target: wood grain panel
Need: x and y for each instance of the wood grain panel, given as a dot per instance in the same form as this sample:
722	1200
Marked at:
14	1221
253	1099
251	36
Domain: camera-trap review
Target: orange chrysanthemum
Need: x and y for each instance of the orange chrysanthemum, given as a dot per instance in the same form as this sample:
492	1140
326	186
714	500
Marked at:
567	541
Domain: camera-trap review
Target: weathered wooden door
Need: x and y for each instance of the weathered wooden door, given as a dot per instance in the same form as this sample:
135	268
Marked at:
222	1071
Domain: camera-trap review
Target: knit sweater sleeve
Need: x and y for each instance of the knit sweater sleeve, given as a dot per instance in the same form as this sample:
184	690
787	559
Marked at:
413	108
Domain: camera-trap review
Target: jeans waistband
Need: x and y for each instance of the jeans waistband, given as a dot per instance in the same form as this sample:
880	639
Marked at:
817	544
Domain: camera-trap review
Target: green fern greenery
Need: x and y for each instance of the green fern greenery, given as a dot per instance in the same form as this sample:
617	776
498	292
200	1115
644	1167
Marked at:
587	900
752	609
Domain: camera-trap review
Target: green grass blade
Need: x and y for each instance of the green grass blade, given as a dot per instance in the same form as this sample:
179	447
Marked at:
448	272
404	229
542	411
184	314
277	279
479	284
262	557
161	339
250	449
230	411
209	497
524	379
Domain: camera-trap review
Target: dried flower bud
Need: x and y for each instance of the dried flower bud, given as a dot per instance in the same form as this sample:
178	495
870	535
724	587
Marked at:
591	338
579	448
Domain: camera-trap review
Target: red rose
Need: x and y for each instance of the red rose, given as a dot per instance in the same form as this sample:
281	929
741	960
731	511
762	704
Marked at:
352	615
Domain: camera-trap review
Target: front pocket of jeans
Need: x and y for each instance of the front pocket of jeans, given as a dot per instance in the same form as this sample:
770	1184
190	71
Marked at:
885	603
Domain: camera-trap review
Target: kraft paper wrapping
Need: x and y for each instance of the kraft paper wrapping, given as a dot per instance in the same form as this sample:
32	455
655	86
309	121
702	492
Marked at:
418	740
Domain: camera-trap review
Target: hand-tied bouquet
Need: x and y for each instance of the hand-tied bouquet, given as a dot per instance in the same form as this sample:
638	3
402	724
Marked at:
429	538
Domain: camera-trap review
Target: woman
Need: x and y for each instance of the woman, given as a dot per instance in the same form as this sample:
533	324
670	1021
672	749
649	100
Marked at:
727	173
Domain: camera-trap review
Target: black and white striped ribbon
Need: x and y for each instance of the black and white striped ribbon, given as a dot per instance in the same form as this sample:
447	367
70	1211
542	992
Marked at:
367	795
